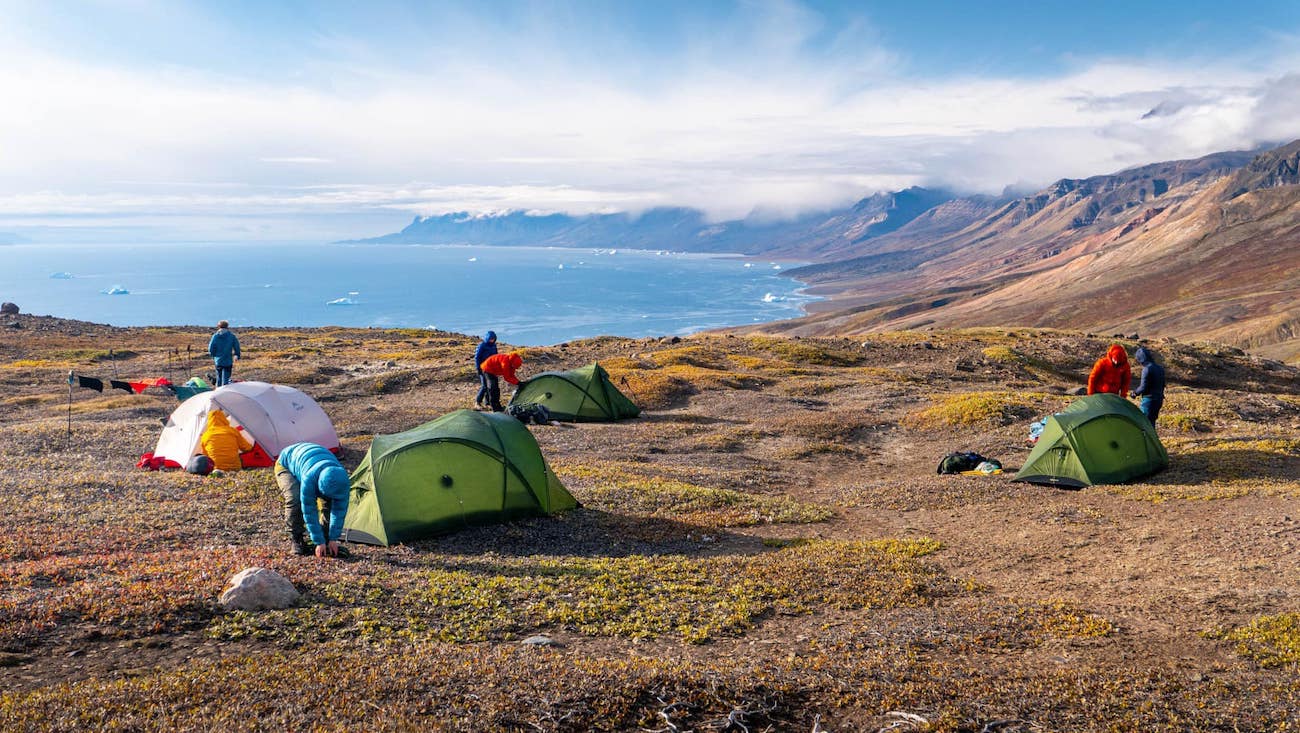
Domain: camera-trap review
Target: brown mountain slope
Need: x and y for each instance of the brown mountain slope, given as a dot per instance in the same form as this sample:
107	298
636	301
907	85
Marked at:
1213	256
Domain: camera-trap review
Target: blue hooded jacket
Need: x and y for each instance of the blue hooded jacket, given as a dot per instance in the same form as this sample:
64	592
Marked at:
488	347
1152	383
320	475
223	344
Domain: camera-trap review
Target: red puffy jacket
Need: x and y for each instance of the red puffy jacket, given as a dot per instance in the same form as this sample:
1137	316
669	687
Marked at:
1111	373
503	365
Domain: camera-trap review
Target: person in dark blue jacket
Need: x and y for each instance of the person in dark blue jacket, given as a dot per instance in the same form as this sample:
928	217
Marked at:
224	349
316	490
1151	387
488	347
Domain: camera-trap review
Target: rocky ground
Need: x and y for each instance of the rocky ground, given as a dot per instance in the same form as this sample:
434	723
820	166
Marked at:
767	548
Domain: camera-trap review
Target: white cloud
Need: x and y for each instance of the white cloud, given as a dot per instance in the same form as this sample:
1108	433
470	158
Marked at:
789	135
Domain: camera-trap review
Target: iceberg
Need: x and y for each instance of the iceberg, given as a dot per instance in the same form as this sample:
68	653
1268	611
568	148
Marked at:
341	301
116	290
61	276
773	298
473	259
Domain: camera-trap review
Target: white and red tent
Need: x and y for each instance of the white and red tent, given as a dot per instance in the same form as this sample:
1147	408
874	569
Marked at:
273	416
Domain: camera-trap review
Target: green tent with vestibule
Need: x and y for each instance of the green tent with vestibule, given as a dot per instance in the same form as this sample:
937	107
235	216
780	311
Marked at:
462	469
578	395
1098	439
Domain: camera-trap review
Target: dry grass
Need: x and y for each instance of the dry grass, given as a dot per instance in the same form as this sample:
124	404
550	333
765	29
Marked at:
747	554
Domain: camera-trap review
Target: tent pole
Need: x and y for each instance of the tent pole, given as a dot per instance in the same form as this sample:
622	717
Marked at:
69	409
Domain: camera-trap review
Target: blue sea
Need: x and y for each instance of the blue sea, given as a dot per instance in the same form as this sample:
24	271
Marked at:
530	295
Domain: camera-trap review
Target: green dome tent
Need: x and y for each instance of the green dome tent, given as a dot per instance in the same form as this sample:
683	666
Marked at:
1098	439
579	395
464	468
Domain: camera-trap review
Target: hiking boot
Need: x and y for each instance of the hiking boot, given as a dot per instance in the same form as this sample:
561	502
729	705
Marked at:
304	548
343	552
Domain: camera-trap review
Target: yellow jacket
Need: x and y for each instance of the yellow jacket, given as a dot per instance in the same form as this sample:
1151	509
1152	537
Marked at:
222	443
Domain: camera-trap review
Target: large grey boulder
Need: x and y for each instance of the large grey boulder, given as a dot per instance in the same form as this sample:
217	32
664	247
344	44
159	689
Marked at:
8	309
258	589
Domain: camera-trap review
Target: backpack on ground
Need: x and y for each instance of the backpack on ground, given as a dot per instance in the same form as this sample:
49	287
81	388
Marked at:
530	412
960	461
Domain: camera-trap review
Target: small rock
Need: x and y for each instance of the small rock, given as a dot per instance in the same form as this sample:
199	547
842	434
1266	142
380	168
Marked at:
675	340
258	589
1077	391
15	324
8	309
538	640
390	364
926	345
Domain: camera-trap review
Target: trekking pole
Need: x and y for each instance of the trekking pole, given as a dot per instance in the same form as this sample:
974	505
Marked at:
69	409
623	381
113	360
189	358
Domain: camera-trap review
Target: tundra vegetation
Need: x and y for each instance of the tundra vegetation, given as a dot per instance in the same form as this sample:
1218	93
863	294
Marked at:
767	548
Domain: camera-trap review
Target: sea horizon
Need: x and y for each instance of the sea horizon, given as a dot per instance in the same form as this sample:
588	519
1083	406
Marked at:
531	295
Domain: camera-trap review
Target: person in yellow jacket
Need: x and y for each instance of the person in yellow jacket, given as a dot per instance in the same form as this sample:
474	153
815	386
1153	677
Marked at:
222	443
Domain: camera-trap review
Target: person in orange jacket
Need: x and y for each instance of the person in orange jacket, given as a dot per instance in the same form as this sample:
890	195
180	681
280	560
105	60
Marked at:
504	366
1111	373
222	443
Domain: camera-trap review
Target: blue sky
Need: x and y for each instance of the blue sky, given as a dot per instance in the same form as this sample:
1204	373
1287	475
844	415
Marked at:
172	119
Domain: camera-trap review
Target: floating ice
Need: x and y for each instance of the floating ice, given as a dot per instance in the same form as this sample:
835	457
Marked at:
341	301
749	264
116	290
773	298
473	259
61	276
354	292
561	267
776	267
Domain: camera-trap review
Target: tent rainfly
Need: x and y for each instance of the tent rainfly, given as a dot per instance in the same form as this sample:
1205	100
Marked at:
578	395
464	468
272	415
1098	439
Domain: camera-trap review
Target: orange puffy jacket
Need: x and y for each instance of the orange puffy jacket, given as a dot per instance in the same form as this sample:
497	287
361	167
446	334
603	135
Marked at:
503	365
222	443
1111	373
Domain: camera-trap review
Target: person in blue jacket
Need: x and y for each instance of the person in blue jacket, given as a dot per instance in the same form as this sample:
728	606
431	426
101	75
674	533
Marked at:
224	349
1151	387
486	348
316	488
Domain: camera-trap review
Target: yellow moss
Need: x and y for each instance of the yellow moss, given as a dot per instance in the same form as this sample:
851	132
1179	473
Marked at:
1064	621
1270	640
656	496
1003	354
695	356
33	364
974	407
804	352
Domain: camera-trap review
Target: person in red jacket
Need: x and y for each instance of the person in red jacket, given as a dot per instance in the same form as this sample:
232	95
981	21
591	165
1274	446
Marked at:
1111	373
504	366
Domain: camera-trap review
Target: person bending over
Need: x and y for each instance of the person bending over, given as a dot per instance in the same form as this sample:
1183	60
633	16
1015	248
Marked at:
1111	373
315	487
503	366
